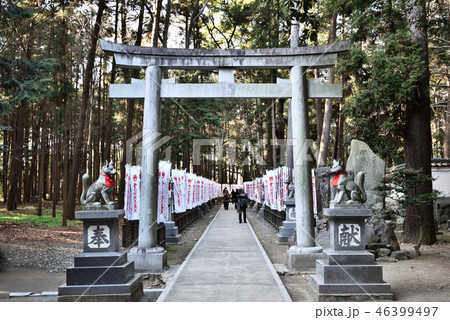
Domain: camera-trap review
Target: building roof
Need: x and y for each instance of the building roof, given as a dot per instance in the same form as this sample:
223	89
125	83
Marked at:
439	162
435	163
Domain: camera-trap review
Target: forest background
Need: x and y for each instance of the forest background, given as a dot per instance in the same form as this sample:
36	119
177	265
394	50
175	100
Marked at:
57	121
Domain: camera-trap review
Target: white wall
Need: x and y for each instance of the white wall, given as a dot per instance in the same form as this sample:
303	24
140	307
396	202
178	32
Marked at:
442	182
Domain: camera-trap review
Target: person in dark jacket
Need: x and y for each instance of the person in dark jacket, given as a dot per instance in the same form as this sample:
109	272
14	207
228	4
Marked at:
226	198
234	198
242	205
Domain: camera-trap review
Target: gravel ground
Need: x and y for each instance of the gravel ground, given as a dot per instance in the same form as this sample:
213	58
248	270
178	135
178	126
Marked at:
28	246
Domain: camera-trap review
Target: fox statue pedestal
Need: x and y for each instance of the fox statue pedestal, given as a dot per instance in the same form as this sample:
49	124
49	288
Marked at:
101	272
346	271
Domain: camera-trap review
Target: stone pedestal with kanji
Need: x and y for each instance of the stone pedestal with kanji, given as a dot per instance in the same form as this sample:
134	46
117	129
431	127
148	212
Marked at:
101	272
288	227
347	272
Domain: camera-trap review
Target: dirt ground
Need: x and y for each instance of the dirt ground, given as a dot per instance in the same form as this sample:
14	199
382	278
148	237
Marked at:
422	278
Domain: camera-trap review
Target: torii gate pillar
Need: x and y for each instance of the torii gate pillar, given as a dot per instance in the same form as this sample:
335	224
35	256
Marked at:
302	256
148	256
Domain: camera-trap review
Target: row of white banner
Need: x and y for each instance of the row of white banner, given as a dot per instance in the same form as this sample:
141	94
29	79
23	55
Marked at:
189	191
272	188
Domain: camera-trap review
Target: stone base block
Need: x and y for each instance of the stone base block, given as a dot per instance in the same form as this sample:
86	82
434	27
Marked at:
348	274
93	259
94	275
172	235
130	291
349	291
173	239
348	257
148	259
303	259
89	207
323	297
286	231
199	213
261	213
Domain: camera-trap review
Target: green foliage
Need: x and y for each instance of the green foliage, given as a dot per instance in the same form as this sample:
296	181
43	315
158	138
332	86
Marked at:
384	76
302	11
25	79
399	186
29	216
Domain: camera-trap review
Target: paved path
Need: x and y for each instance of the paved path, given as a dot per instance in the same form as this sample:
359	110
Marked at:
228	264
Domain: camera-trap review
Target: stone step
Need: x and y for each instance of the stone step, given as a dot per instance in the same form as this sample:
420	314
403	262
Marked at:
127	288
351	274
99	259
348	257
345	288
173	239
97	275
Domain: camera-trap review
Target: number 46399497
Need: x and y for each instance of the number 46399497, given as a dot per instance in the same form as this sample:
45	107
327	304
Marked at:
406	311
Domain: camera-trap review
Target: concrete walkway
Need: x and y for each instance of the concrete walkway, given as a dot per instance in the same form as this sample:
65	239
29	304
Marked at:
228	264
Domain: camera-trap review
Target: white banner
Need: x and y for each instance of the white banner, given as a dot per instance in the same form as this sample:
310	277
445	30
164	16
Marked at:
248	189
179	190
265	182
218	190
163	191
132	192
190	191
197	192
258	190
272	190
313	176
285	186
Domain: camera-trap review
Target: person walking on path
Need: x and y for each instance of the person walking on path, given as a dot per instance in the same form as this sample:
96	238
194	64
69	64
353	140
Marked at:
226	198
242	205
234	198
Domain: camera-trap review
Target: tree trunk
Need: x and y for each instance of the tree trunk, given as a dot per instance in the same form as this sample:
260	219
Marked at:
319	111
447	121
16	156
274	138
96	128
42	156
190	25
156	20
55	174
418	132
280	128
166	23
79	136
186	153
130	109
5	155
109	106
28	189
326	127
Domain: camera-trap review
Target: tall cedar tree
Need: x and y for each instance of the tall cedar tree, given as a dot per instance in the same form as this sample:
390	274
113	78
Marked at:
69	208
418	131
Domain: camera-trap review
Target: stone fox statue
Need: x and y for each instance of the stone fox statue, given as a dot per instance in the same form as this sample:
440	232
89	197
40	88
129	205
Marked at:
344	184
101	188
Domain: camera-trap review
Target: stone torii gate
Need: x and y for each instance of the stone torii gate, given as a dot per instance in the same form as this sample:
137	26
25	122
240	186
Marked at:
147	255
